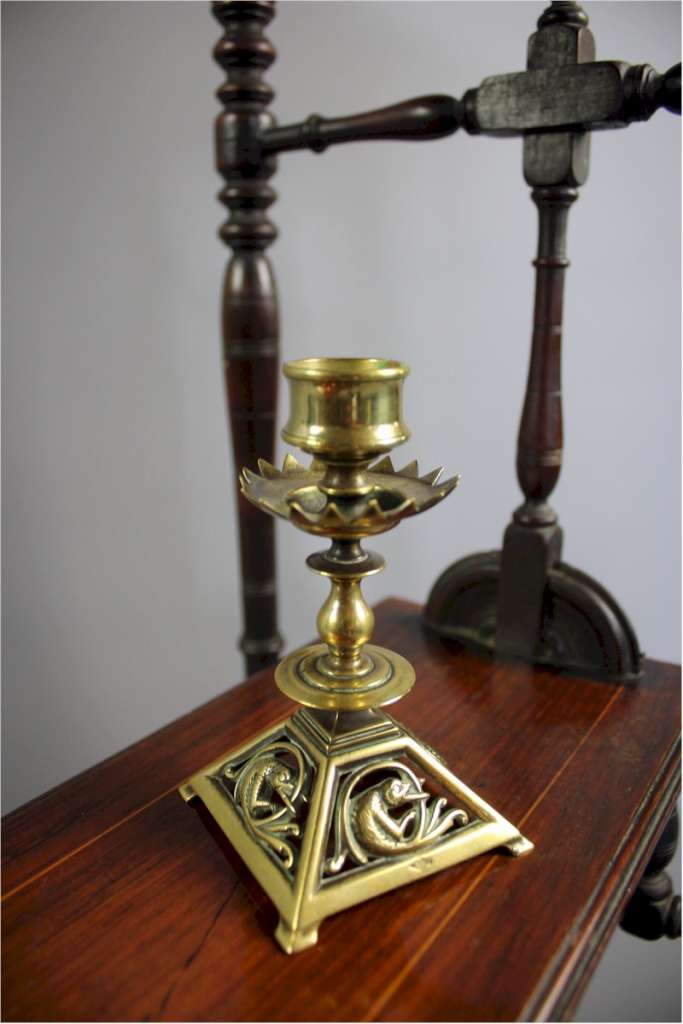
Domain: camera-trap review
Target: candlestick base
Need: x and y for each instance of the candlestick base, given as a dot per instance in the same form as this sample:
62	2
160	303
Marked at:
330	808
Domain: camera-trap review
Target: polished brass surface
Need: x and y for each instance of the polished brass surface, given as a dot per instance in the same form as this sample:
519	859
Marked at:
345	623
387	496
388	677
364	825
340	803
313	814
345	409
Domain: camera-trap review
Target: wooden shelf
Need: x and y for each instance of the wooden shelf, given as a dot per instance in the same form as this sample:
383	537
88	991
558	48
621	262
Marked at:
123	903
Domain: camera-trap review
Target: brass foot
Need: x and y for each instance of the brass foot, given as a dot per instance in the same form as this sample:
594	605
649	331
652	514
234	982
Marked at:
186	791
518	847
294	940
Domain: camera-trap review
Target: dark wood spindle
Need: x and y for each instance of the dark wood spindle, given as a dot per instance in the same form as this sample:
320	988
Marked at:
554	164
533	541
250	310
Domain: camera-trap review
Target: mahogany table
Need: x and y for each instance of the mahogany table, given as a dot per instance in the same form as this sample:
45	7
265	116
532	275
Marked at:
123	903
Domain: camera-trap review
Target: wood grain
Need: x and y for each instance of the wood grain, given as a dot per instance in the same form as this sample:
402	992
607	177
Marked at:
132	906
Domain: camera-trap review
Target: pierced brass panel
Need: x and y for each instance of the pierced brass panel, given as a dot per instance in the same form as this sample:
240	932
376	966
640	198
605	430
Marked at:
323	832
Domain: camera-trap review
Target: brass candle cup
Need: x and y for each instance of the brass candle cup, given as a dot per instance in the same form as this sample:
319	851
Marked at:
345	409
331	806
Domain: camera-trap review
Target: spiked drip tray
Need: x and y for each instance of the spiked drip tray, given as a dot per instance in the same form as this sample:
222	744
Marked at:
329	809
390	496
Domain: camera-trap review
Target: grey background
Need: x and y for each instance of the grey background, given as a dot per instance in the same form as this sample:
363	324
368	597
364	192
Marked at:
120	607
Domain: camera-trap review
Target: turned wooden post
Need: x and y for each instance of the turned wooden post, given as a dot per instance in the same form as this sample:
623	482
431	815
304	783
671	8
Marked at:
250	311
533	540
555	164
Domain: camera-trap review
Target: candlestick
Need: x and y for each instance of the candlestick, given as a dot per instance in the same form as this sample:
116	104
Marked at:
332	806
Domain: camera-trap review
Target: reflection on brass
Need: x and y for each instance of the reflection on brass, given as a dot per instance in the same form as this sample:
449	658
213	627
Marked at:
340	803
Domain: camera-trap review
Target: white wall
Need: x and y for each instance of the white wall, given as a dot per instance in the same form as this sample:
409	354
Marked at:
120	558
119	542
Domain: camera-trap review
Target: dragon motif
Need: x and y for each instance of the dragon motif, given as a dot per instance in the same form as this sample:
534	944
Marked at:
366	828
266	790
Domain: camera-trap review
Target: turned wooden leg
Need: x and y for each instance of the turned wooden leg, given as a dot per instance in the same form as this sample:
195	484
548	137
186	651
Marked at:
654	911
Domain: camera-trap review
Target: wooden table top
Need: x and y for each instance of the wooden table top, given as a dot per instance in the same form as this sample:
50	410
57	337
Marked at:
121	902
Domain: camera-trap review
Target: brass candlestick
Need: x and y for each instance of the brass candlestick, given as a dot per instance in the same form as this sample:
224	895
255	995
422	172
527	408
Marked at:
331	807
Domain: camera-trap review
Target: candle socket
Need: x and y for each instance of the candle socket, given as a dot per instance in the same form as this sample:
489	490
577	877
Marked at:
332	807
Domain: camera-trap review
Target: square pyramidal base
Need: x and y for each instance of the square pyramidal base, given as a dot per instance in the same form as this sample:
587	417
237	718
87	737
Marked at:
329	809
